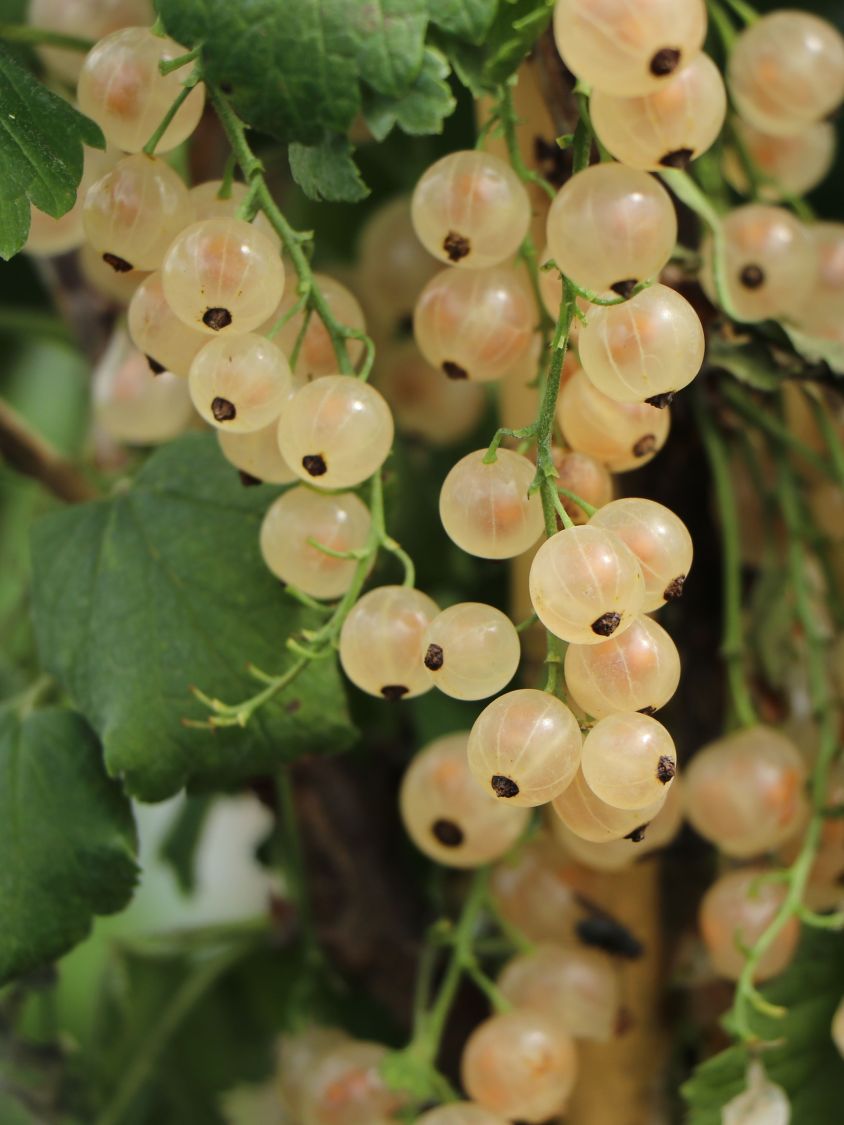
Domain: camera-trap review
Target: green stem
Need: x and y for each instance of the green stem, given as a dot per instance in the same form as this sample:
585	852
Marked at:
723	24
41	37
744	405
167	66
178	102
745	12
688	192
732	646
506	113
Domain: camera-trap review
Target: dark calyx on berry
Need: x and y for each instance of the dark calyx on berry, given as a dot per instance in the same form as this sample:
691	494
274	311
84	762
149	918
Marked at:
602	931
647	710
314	464
625	288
661	401
503	786
645	445
449	834
752	276
454	370
393	691
665	62
223	410
434	658
665	769
677	158
456	246
247	480
119	265
674	589
217	318
606	624
637	835
155	367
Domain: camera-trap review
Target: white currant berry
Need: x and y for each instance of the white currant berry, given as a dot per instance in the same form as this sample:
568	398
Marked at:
381	642
486	509
165	340
735	912
471	650
629	760
239	383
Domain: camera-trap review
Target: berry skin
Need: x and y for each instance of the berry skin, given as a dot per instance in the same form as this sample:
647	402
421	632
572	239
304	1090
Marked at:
133	213
239	383
585	585
659	540
340	521
520	1064
470	210
795	164
256	454
316	354
158	332
460	1113
590	818
669	127
586	477
336	432
448	816
532	890
223	276
117	288
345	1087
786	71
577	988
475	324
652	345
734	912
624	435
610	227
381	642
637	671
628	49
485	508
471	650
629	760
122	89
90	19
524	747
206	204
744	792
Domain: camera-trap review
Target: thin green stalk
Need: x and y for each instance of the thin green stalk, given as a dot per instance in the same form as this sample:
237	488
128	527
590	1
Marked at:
745	12
723	24
41	37
164	124
732	644
743	404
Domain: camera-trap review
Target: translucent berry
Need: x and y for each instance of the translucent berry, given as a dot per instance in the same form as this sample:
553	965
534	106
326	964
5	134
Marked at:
786	71
299	1053
460	1113
133	213
590	818
470	209
611	227
156	330
659	540
744	792
88	19
578	988
122	89
669	127
586	477
240	383
628	49
520	1064
48	236
393	266
585	585
624	435
629	760
340	521
475	324
645	349
794	165
110	284
131	404
448	816
471	650
485	508
316	352
336	432
207	204
532	890
440	411
345	1087
256	454
637	671
821	312
381	642
770	261
525	747
223	275
735	912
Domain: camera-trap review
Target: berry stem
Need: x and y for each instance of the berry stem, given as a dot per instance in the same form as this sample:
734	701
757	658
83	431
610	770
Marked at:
42	37
178	102
741	402
732	644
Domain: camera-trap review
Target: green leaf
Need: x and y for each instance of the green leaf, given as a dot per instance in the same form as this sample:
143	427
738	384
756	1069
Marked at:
140	596
327	171
749	362
467	19
805	1062
516	27
423	109
41	138
817	350
67	838
295	68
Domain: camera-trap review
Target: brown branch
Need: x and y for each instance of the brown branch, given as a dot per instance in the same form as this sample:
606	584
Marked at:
29	454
